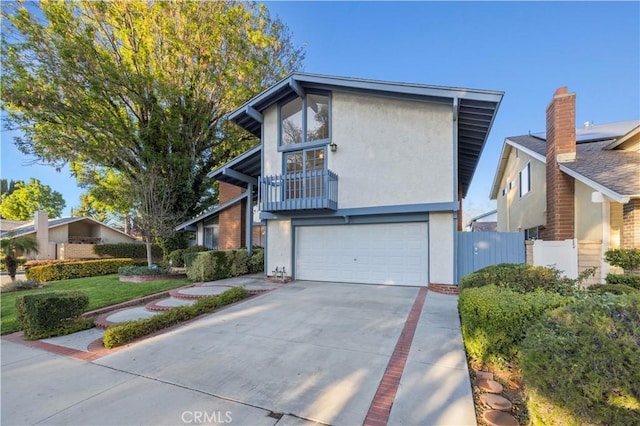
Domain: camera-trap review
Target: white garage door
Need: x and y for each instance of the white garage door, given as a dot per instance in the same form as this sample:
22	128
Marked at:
376	254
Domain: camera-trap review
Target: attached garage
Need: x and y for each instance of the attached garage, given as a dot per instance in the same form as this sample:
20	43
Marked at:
389	253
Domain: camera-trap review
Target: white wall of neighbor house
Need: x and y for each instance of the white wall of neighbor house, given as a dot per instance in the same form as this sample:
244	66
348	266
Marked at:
588	215
391	151
441	248
516	213
279	251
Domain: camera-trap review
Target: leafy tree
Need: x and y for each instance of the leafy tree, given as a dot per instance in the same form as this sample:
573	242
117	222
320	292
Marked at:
139	89
11	247
30	197
88	208
8	186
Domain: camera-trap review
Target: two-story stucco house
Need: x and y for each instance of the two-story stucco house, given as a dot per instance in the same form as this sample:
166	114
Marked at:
361	181
573	184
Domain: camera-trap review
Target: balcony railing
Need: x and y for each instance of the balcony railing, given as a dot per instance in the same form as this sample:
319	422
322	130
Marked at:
315	190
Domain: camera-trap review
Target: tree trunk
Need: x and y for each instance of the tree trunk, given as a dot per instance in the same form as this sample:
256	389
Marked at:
149	257
11	265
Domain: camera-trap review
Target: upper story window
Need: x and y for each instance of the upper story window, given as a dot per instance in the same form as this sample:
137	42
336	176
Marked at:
305	120
525	179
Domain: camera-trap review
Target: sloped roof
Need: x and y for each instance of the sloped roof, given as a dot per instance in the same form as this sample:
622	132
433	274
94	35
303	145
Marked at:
474	109
614	172
30	227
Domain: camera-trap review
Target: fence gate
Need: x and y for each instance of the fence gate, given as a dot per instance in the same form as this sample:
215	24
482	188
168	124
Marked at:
479	249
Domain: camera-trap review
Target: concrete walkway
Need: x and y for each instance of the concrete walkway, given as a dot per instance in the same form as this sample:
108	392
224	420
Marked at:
308	352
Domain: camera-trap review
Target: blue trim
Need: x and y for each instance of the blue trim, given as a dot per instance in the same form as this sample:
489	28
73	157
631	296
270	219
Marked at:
303	145
293	251
245	155
212	212
239	176
379	210
249	220
295	86
251	112
361	220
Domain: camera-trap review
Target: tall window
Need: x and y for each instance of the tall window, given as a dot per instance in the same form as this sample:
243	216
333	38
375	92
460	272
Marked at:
304	120
211	234
306	167
525	179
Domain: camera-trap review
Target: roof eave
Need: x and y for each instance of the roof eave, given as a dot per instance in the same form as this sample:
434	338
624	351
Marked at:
619	198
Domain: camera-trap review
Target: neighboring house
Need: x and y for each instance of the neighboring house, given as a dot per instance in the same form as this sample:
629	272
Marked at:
68	237
573	184
224	226
361	181
486	222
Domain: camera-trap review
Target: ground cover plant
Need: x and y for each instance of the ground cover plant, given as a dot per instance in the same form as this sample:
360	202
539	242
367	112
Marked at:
538	337
102	291
121	334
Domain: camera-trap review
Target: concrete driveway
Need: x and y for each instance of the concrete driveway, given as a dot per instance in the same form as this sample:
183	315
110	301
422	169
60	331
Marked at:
308	352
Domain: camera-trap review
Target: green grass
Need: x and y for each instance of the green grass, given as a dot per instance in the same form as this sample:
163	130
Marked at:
102	291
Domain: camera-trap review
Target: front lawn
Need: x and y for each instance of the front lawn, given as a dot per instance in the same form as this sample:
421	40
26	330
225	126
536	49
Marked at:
102	291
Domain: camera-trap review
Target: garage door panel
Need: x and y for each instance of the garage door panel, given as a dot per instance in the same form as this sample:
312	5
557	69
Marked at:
393	253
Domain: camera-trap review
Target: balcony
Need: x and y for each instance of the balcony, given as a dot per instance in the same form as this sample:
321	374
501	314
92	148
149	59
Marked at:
315	190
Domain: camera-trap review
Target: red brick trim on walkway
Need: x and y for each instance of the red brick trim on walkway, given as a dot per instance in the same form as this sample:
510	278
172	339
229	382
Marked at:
443	288
380	408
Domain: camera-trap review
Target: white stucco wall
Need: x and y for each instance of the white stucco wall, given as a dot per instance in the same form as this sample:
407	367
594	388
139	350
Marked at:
59	234
517	213
390	152
279	250
441	248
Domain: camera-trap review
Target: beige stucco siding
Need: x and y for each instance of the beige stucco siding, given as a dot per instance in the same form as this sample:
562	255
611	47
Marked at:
390	152
516	213
59	234
441	235
588	215
616	224
279	246
110	236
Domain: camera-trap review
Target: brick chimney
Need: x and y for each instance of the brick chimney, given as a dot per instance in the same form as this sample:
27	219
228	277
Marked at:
561	147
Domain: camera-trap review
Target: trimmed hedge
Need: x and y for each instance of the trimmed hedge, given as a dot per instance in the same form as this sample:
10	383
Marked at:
523	278
132	250
495	320
121	334
86	268
44	313
627	259
218	264
631	280
612	288
142	270
581	365
175	258
190	254
256	263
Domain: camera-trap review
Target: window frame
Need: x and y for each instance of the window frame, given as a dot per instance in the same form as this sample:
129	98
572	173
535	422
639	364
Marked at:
304	144
527	167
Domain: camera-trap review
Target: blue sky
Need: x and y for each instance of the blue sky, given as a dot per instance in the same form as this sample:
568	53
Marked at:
527	50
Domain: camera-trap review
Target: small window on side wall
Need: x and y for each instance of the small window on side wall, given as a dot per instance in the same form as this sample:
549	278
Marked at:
525	180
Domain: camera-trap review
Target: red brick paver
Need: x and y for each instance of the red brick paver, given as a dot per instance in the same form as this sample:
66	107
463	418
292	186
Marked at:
380	408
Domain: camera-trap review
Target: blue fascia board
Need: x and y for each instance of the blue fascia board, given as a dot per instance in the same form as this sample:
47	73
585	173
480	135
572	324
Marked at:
220	170
364	211
239	176
296	81
212	212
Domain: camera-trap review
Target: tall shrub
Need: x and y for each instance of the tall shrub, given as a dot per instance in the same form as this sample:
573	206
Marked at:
581	363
